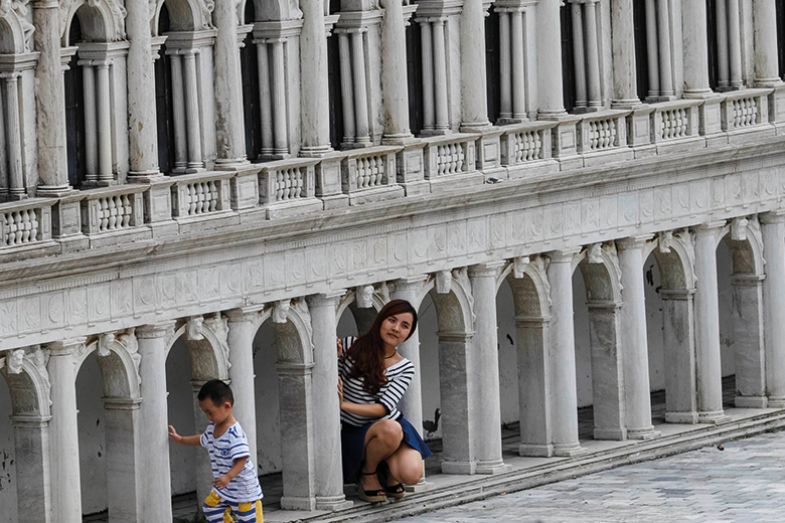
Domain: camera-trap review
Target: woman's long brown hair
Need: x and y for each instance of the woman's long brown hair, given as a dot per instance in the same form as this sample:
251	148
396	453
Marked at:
367	352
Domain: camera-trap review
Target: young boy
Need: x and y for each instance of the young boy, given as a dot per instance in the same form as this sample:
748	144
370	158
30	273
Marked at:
236	490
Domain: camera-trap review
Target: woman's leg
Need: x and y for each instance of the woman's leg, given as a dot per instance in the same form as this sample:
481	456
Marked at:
381	441
406	466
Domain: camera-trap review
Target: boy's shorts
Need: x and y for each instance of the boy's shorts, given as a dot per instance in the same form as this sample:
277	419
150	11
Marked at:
217	510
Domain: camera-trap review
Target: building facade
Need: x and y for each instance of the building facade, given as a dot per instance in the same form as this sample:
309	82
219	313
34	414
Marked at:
199	189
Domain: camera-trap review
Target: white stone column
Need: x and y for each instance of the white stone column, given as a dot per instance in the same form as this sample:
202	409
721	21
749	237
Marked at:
773	229
518	66
722	43
411	404
90	122
678	340
314	97
156	489
124	477
625	88
265	98
230	125
33	470
50	100
634	343
178	113
280	127
328	481
652	50
549	62
748	318
193	125
3	160
474	91
764	14
360	88
592	54
242	331
485	366
64	431
561	369
347	93
665	29
579	56
428	102
607	372
532	340
696	52
16	188
142	118
456	393
734	44
104	120
395	92
707	323
440	76
505	65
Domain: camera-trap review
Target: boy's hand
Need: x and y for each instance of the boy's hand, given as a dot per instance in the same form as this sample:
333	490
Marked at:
173	435
222	481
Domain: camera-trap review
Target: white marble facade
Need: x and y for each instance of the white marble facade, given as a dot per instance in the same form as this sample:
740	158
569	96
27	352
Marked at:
606	240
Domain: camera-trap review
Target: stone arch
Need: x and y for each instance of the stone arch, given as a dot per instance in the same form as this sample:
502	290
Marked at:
118	360
363	317
675	257
454	308
185	15
12	34
102	21
293	335
28	384
206	340
530	287
275	10
601	273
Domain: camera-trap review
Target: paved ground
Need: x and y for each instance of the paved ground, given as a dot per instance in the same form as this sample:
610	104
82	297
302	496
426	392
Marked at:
745	482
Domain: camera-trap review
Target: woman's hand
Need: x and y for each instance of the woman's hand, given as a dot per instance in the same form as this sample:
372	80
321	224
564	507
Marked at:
340	392
339	344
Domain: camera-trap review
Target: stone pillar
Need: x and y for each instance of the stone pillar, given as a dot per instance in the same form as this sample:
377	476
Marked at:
230	122
734	44
16	181
561	369
104	121
142	119
652	49
440	76
64	430
428	109
347	93
518	66
280	124
456	392
360	88
722	44
606	370
193	126
124	476
328	481
696	52
505	66
665	51
395	93
678	340
773	229
549	63
265	98
474	91
484	364
764	14
178	112
633	339
625	89
748	343
579	56
315	101
533	385
242	331
592	54
90	122
33	479
411	404
707	323
156	488
50	100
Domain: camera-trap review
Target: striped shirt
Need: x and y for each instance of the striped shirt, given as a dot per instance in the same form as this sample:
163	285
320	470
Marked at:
399	376
230	446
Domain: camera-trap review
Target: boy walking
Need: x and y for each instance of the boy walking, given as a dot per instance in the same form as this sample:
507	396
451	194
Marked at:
236	491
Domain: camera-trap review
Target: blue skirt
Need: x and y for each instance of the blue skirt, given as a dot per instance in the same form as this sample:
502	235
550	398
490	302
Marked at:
353	440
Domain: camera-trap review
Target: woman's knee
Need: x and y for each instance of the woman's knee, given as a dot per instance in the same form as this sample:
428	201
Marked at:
388	431
410	472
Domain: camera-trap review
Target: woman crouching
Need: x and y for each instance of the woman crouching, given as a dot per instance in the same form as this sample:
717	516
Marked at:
382	451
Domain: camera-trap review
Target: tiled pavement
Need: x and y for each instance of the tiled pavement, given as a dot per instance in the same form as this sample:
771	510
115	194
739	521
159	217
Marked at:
745	482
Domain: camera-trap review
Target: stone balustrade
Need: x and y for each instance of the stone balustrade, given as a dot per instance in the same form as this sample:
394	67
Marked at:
745	109
25	223
675	121
449	159
112	209
602	131
287	187
370	174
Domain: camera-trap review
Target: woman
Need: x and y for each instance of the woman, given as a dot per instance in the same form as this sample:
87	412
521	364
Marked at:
381	449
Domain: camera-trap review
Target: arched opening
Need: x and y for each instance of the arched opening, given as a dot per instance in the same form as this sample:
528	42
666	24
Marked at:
75	114
7	43
163	99
8	475
493	64
92	437
583	362
250	78
268	415
428	329
506	314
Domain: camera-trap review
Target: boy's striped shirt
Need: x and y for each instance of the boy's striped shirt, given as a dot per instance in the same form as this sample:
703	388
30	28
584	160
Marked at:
230	446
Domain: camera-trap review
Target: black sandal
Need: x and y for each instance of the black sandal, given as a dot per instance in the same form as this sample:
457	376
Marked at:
396	491
371	496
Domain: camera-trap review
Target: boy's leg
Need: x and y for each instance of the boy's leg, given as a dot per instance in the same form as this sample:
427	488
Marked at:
248	512
215	509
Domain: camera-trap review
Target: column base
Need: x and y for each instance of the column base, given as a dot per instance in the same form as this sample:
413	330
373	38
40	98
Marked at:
613	434
712	416
775	402
751	402
492	467
333	503
459	467
421	486
567	450
298	503
435	132
511	120
690	418
535	450
315	152
642	434
53	191
399	139
232	165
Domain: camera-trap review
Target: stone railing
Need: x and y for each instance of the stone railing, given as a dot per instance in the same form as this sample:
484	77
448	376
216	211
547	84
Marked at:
745	109
370	174
112	209
449	155
602	131
673	121
526	143
200	194
26	222
288	187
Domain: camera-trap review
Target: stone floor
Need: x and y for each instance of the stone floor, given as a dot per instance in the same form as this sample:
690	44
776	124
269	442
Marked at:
745	482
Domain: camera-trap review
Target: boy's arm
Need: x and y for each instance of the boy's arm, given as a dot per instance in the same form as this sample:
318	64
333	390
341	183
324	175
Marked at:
194	440
237	466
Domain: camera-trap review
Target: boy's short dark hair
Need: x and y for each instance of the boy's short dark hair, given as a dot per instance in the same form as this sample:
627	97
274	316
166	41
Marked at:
217	391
